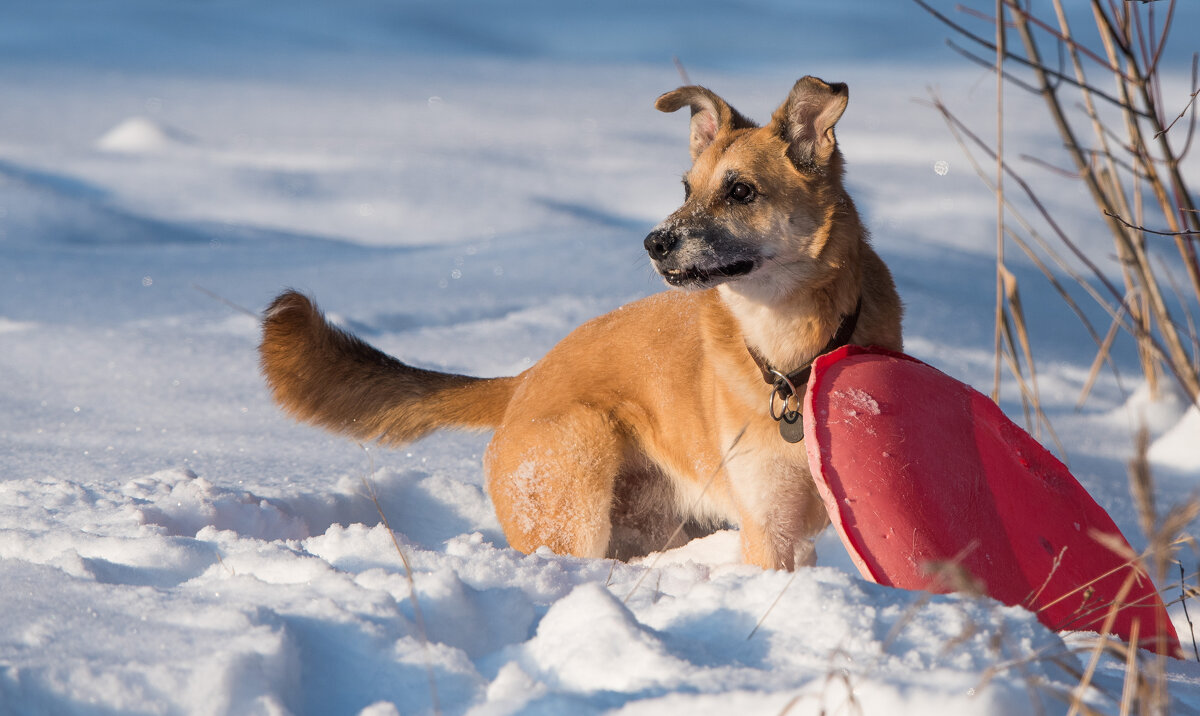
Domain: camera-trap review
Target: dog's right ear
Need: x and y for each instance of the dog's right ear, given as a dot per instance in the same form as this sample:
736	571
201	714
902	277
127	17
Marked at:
711	115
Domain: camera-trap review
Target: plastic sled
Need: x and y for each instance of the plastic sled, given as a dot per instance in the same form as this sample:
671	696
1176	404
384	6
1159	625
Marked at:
930	485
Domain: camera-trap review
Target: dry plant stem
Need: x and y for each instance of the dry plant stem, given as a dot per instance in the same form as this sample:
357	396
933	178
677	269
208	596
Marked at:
1048	166
1031	686
1029	397
1129	688
1008	353
221	299
1103	355
1006	284
1147	86
1193	333
959	126
1049	575
1163	536
1162	40
1081	616
1063	36
990	65
1183	597
1011	56
1029	391
1001	271
1105	629
1090	178
774	601
1115	190
1178	207
1184	111
1060	659
1191	134
683	75
1180	372
1090	582
418	617
792	702
1138	97
658	555
1144	230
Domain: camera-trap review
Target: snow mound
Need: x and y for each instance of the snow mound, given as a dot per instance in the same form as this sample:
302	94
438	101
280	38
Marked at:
589	641
10	326
140	135
1177	447
183	504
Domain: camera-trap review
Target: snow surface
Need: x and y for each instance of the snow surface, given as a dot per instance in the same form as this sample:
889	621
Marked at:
461	184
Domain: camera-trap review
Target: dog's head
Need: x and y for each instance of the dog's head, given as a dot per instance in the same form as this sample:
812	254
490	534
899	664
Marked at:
758	201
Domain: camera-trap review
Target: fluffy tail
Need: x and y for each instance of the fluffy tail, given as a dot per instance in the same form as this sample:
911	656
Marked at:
322	375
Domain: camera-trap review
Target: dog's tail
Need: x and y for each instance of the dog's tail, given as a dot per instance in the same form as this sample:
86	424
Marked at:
323	375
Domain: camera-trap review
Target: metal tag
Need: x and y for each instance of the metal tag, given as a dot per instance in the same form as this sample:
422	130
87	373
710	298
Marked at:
791	426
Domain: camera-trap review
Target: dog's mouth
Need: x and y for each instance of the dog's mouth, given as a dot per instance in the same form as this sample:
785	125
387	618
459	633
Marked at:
695	276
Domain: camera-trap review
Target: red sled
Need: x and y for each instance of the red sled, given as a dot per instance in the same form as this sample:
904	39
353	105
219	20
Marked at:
919	469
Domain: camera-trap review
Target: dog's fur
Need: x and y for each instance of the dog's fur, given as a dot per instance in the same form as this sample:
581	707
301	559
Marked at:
653	417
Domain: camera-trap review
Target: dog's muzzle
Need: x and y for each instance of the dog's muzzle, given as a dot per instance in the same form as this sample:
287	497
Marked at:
686	260
660	243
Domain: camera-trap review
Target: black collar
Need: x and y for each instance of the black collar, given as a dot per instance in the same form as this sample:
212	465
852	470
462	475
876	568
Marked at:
791	426
799	376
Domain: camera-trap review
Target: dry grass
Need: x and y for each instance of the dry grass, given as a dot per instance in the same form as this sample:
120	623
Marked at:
1125	157
1125	140
418	616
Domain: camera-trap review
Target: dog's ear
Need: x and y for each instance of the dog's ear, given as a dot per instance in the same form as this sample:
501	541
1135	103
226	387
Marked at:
805	120
710	114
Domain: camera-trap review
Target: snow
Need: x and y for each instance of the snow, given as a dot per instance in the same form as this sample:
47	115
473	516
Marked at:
138	134
1177	447
460	184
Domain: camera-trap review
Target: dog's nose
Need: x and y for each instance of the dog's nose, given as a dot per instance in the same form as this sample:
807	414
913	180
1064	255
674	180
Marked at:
660	243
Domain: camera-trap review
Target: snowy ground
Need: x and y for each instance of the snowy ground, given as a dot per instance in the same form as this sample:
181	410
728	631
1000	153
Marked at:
461	185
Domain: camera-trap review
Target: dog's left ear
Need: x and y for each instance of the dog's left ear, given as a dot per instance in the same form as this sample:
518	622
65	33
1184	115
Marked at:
805	120
711	115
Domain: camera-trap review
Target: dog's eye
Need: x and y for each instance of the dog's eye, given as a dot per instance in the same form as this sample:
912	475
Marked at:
741	193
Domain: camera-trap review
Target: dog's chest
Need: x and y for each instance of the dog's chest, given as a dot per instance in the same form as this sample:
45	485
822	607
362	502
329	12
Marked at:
761	471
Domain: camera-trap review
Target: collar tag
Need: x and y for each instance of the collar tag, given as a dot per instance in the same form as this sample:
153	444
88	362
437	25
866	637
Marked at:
791	426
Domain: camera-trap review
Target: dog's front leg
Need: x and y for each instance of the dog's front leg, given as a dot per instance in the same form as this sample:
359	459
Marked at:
780	514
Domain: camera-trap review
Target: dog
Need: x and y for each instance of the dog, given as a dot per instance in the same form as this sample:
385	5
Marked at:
671	416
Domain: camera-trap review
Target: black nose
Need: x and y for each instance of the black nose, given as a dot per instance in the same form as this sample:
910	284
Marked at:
660	243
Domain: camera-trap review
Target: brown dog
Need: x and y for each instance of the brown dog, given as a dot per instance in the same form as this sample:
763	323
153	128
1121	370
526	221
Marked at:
671	415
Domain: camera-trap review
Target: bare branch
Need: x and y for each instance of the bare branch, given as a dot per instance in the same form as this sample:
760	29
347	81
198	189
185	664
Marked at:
989	64
1187	143
1068	41
1050	167
1023	61
1144	230
1161	44
683	75
1186	380
1166	129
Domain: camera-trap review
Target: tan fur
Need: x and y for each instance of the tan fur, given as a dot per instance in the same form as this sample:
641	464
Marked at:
652	417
